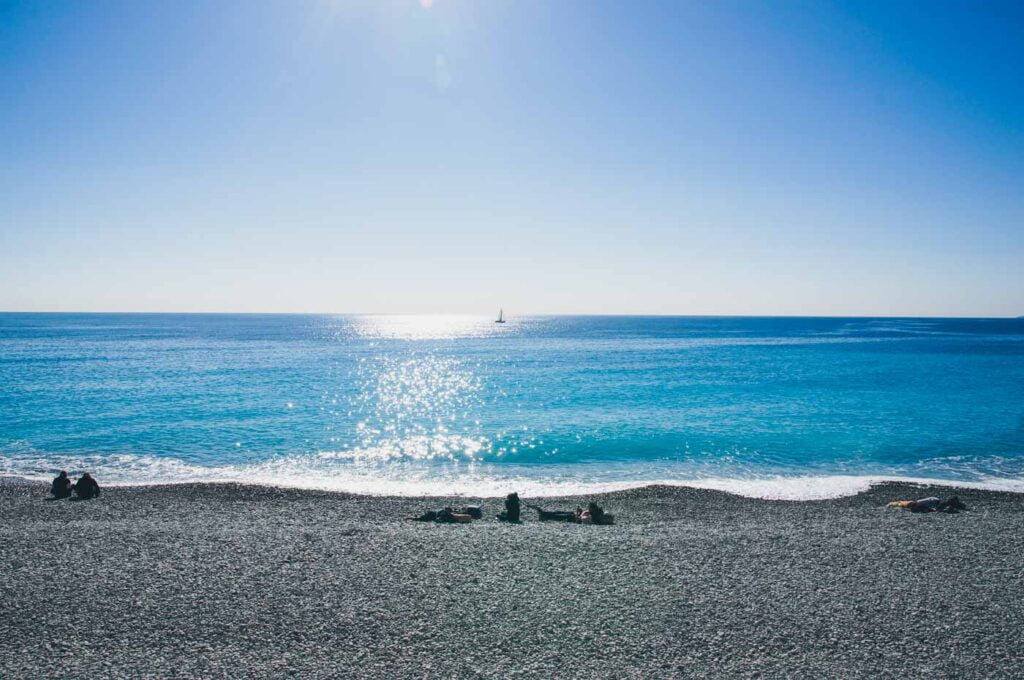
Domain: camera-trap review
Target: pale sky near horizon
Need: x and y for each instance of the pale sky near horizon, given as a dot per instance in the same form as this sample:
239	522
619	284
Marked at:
824	158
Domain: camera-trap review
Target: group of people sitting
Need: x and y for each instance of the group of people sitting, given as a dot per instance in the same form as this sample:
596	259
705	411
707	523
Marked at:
931	504
593	514
85	488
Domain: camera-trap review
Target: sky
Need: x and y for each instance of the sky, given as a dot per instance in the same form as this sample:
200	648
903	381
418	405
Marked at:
445	156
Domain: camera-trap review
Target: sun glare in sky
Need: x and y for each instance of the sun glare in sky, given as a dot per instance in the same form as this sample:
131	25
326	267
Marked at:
412	156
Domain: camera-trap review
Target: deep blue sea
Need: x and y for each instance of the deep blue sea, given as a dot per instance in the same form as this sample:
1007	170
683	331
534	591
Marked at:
777	407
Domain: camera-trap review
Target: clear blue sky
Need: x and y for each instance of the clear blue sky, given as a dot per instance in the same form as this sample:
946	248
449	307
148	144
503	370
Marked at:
562	157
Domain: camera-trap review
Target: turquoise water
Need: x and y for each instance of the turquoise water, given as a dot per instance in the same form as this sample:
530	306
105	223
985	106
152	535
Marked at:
785	407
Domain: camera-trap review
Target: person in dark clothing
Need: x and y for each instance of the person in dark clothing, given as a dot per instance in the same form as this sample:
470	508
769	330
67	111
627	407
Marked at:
595	514
444	516
449	516
512	509
951	505
555	515
931	504
86	487
61	487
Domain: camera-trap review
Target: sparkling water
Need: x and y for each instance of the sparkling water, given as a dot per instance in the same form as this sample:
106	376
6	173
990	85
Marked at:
779	407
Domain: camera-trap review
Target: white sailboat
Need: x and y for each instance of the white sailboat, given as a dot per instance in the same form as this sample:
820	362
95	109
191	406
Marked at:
501	316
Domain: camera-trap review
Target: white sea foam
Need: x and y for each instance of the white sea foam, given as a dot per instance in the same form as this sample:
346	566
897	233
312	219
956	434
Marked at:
810	488
332	472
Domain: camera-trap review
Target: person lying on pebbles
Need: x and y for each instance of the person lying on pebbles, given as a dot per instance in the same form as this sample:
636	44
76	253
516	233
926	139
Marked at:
594	514
931	504
556	515
445	516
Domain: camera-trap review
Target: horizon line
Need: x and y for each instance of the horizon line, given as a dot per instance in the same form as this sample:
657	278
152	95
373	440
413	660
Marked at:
525	315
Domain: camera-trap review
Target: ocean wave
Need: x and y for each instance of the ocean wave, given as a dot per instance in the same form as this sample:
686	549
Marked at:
334	471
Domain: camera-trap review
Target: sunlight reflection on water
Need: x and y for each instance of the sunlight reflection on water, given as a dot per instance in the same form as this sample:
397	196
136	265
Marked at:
394	404
419	407
424	326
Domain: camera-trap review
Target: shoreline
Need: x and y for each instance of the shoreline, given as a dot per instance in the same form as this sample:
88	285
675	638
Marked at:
800	488
206	579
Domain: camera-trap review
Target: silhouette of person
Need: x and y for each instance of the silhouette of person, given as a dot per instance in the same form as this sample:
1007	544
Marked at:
512	509
86	487
61	487
595	514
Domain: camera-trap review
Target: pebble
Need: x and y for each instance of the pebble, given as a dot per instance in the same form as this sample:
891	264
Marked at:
232	580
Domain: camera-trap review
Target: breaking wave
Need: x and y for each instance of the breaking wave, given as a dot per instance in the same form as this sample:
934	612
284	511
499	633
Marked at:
344	472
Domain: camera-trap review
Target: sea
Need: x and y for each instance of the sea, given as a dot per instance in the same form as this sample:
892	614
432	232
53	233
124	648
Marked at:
793	408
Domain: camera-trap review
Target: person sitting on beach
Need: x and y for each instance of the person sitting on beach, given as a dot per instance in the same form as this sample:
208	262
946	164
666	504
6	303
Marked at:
595	514
86	487
512	509
61	486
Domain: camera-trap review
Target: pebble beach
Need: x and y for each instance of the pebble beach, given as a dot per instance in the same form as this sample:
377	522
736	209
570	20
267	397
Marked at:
230	580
